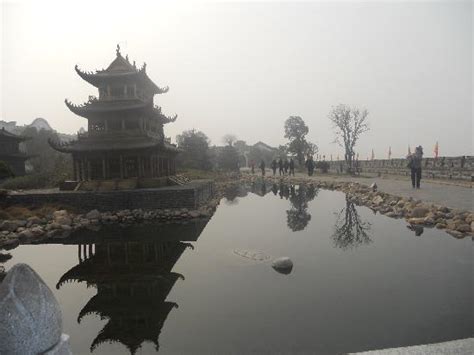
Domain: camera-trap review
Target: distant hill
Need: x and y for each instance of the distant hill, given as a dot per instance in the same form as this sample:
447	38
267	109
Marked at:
38	123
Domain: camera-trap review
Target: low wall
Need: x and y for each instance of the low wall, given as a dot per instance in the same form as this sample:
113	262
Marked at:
188	196
457	168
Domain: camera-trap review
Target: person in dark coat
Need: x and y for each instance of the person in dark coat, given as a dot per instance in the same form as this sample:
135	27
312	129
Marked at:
310	165
414	164
286	166
280	166
274	166
252	166
292	167
262	167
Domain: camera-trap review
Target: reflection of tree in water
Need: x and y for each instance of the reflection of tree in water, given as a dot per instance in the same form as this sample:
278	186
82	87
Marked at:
298	217
350	231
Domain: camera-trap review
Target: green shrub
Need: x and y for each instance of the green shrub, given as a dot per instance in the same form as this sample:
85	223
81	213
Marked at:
5	171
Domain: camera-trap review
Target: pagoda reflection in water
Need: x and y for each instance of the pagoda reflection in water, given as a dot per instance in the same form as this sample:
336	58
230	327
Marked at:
133	277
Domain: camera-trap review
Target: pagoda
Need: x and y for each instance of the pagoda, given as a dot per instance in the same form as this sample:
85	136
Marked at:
133	279
10	151
125	137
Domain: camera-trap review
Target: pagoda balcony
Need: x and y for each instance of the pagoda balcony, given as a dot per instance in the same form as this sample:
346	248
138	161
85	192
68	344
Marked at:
119	134
125	96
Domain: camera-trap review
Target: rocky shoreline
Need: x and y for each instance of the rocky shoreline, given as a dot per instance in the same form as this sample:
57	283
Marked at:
61	223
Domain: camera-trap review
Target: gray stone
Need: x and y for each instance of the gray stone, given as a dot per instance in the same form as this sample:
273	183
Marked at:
464	228
30	317
419	212
10	226
94	214
377	200
283	265
25	235
194	214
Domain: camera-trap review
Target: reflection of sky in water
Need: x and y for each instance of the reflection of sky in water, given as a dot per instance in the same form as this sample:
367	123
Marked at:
360	281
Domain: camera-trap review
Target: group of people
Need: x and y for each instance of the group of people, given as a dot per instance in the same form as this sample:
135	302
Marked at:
285	167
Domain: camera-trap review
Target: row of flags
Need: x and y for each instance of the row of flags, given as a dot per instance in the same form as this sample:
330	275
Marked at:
372	156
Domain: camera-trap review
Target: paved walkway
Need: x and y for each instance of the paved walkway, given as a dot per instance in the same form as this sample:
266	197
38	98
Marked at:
458	347
453	196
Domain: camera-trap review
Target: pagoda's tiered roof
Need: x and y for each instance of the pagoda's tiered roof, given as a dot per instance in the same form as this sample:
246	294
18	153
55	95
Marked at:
132	335
4	134
113	143
98	270
120	70
94	108
105	305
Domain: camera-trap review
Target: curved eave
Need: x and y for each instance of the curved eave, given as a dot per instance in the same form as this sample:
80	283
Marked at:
88	110
99	78
63	148
162	117
104	145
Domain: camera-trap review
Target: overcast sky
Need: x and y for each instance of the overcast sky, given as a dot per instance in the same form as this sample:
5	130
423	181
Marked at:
244	67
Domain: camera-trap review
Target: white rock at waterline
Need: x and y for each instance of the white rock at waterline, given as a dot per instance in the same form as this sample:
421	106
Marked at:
283	265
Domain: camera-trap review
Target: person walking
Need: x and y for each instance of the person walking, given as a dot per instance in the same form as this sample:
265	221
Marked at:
252	166
274	166
280	166
310	165
262	167
286	166
414	164
292	167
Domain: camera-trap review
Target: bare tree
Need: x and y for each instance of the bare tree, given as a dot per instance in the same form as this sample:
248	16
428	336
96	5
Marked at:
229	139
350	231
348	126
311	149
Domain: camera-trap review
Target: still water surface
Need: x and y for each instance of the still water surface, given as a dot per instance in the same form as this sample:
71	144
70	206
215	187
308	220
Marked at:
360	281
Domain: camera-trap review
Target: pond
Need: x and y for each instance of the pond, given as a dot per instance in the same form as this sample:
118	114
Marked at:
360	281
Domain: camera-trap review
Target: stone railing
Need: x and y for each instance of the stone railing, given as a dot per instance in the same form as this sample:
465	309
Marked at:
456	168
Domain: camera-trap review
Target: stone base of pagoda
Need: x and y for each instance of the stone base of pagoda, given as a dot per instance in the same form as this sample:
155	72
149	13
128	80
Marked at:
191	195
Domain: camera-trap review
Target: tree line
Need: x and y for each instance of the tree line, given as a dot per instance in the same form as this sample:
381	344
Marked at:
196	153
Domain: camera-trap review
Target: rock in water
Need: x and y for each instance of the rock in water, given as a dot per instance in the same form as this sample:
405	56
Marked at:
30	317
283	265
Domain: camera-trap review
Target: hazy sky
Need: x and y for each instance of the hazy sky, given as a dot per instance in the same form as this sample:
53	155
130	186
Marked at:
244	67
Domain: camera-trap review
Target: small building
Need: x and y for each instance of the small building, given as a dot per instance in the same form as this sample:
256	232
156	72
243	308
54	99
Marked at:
125	137
10	151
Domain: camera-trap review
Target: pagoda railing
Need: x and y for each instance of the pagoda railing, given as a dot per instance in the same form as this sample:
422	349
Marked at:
138	96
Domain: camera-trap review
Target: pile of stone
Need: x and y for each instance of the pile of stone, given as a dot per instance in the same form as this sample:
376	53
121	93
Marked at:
458	223
61	223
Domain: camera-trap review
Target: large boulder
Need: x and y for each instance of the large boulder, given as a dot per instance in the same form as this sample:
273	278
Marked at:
377	200
419	212
62	217
283	265
30	316
94	214
10	226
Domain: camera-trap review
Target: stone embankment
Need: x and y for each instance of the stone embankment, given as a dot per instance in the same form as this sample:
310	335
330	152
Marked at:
61	223
458	223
